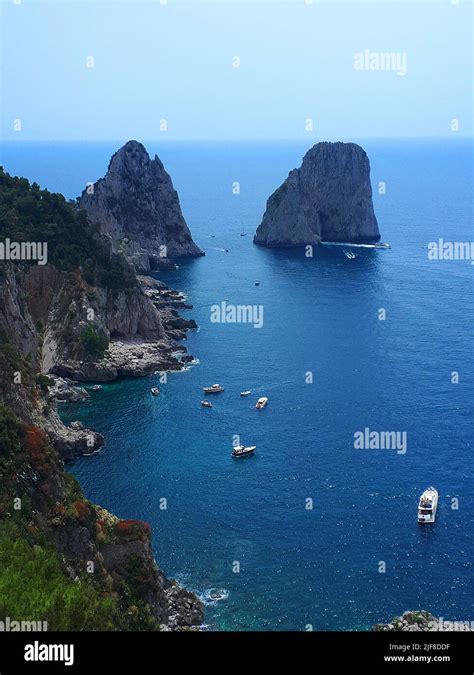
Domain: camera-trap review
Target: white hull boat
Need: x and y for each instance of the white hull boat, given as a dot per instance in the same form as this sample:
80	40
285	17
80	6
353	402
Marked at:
215	389
428	506
243	451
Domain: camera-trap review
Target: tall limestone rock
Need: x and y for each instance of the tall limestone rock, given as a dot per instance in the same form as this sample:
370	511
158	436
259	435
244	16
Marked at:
329	198
137	206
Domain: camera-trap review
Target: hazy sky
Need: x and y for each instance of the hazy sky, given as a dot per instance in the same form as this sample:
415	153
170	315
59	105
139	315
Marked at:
172	61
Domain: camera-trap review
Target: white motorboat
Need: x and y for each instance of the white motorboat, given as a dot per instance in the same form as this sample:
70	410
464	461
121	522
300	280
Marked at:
247	392
243	451
155	391
206	404
428	506
97	387
215	389
262	402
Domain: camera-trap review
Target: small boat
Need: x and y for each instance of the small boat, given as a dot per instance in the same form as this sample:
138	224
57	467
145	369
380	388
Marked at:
262	402
215	389
257	283
243	234
245	393
97	387
206	404
243	451
350	254
428	506
155	391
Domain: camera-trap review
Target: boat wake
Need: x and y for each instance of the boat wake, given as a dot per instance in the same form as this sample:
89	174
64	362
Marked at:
353	245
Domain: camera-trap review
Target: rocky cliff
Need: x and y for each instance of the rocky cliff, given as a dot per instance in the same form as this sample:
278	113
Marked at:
73	314
137	206
329	198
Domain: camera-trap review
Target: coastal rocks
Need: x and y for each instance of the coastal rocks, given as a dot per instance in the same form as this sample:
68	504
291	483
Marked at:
422	621
70	441
66	390
184	609
175	322
123	358
137	206
329	198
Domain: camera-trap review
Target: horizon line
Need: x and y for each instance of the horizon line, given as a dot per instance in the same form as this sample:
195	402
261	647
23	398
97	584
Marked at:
452	136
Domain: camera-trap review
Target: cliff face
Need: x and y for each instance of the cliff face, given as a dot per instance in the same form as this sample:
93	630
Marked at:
64	316
329	198
137	206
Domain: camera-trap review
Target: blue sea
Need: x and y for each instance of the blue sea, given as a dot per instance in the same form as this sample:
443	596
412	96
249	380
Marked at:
243	527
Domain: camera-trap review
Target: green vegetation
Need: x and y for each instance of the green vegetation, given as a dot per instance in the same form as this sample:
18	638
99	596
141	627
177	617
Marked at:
93	344
43	381
33	587
28	213
11	355
9	432
35	582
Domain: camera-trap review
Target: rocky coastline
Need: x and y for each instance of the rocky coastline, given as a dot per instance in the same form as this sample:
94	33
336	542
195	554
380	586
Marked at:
422	621
71	321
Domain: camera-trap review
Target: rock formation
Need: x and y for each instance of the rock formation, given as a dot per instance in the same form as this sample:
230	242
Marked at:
137	206
422	621
329	198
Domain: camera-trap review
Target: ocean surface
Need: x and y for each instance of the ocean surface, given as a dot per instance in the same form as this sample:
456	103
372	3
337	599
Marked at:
300	567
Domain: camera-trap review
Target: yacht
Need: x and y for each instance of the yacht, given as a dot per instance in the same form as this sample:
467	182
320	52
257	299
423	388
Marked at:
206	404
243	451
262	402
428	505
215	389
155	391
247	392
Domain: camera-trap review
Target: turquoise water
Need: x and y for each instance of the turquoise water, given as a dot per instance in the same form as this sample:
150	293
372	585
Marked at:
300	566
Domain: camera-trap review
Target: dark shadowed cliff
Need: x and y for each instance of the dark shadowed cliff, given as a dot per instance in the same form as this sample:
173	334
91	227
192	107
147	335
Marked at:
329	198
137	206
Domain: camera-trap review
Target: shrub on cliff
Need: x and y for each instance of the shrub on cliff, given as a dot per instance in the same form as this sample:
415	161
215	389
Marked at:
93	344
131	530
40	452
10	430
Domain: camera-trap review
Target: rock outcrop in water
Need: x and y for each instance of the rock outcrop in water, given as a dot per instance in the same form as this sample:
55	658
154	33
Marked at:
422	621
329	198
137	206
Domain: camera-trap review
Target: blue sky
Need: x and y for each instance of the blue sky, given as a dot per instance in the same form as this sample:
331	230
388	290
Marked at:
174	62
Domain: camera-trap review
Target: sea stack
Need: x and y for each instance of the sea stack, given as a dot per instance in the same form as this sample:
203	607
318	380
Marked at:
137	206
329	198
